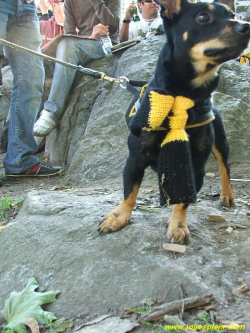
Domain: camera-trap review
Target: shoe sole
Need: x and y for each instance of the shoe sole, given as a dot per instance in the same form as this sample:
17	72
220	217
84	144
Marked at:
41	175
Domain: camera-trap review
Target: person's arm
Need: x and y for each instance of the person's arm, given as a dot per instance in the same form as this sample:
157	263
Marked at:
99	30
69	19
124	31
108	15
44	8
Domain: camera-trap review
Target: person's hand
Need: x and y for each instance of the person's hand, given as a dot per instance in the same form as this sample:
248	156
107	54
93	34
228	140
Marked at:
43	6
129	11
99	30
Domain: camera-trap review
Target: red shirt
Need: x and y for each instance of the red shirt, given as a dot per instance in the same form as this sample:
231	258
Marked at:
50	29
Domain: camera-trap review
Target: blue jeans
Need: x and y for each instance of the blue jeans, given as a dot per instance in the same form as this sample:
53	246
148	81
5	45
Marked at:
75	51
19	24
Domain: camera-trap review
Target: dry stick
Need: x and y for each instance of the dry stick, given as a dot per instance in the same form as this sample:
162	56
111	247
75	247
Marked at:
238	317
212	316
192	233
182	297
164	297
240	180
174	307
160	236
166	206
93	322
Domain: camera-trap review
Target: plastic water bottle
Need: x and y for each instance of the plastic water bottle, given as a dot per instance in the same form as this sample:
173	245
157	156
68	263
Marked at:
135	15
106	44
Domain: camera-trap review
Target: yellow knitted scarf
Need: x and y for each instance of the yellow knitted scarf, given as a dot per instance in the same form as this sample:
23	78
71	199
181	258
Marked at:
175	170
160	106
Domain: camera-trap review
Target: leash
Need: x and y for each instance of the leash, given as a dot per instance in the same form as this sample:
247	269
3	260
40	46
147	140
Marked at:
122	80
244	59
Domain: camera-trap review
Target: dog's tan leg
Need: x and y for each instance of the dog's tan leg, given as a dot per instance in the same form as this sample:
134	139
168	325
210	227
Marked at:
121	215
177	225
226	196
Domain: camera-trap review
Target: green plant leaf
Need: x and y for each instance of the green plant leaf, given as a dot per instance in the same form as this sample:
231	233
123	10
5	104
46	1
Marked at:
27	304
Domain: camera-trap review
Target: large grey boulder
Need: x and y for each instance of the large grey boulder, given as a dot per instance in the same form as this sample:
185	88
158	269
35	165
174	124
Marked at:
236	117
54	238
92	135
233	100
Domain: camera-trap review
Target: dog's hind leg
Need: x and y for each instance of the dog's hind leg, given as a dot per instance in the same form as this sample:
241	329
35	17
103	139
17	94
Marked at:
226	195
221	152
120	216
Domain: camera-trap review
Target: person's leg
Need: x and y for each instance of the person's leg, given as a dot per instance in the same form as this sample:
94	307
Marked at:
75	51
19	24
28	72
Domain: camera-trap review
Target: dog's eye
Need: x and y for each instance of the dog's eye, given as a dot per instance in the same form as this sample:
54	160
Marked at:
203	18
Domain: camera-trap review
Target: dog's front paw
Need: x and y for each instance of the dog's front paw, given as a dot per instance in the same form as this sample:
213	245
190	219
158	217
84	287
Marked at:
115	220
179	234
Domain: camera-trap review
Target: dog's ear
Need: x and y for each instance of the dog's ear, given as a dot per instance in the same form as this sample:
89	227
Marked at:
170	7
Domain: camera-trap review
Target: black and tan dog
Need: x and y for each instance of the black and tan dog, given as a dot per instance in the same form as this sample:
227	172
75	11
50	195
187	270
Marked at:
175	127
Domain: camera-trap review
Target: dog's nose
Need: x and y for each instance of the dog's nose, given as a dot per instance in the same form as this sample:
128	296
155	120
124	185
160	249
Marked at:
242	28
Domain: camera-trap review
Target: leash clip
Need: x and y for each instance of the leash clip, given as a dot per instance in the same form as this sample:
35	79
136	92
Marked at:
120	81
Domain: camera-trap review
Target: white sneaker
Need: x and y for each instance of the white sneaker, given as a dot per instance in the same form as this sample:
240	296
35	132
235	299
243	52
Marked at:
40	141
45	124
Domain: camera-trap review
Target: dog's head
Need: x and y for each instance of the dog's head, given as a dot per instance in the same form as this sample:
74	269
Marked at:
205	33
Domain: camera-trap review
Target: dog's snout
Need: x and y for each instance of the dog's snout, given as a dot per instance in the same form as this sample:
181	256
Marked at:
242	28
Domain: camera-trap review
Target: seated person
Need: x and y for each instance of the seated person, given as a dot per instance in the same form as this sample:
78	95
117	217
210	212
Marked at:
92	19
150	21
54	26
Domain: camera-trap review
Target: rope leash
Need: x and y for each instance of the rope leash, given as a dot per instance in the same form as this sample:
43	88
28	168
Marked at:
122	81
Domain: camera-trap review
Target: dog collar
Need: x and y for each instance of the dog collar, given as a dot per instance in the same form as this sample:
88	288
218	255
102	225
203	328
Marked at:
202	120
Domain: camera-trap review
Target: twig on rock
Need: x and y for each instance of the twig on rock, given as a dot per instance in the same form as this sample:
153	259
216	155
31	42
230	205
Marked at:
240	180
211	312
182	297
192	233
164	297
93	322
174	307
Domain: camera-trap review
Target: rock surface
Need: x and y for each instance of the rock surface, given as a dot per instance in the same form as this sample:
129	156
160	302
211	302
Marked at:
243	9
55	239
